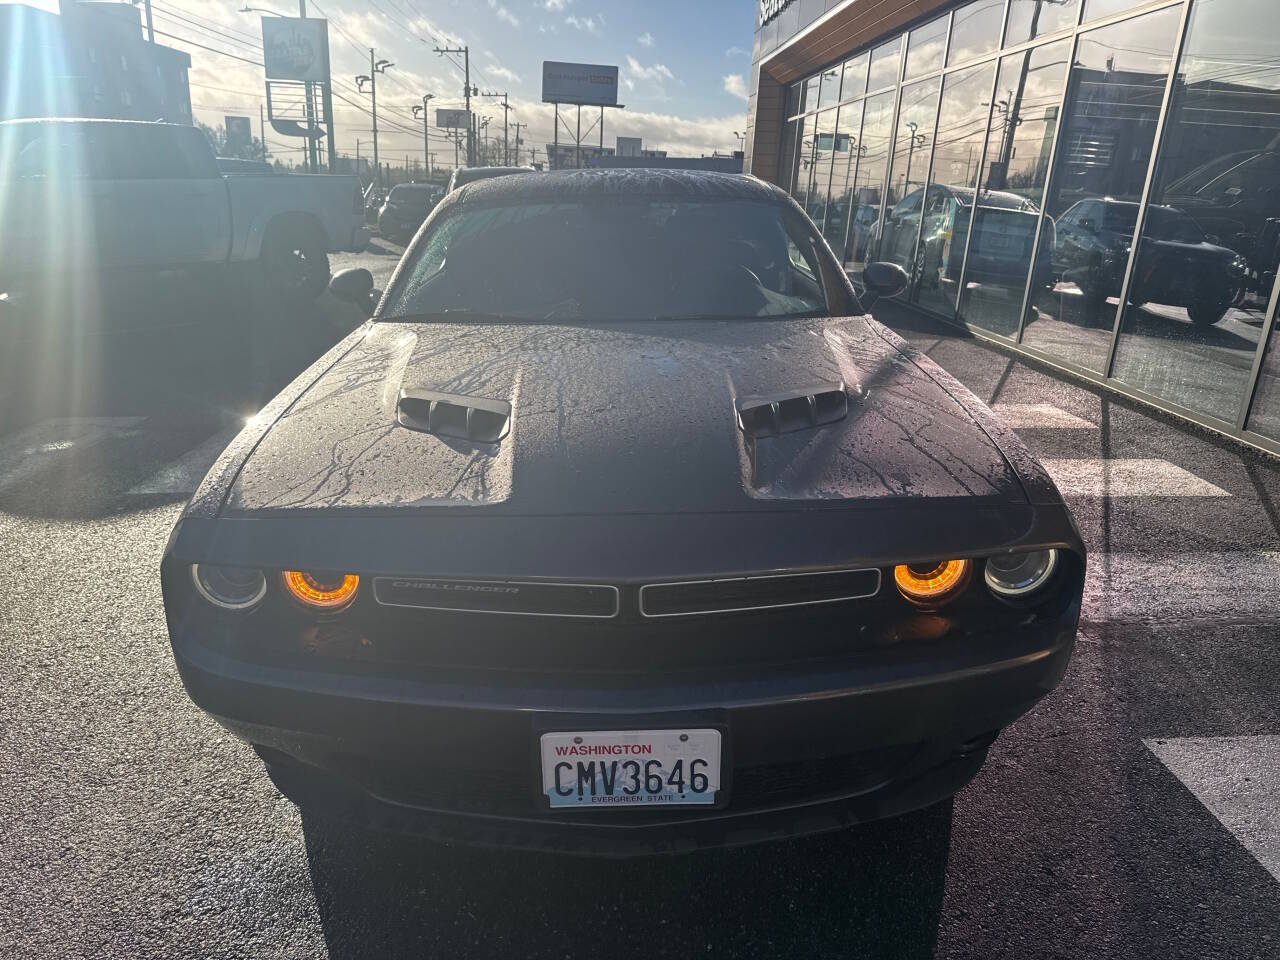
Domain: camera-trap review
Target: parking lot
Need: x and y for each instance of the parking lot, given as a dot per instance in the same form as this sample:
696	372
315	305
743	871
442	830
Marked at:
1134	814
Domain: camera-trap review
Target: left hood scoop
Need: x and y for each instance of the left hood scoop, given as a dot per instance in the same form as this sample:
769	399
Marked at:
803	409
477	419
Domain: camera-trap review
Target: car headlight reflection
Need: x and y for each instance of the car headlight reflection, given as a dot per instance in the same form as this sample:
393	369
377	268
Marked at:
1014	575
931	584
231	588
328	592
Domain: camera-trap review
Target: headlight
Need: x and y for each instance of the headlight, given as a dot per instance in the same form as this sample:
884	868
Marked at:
931	584
329	592
1018	574
231	588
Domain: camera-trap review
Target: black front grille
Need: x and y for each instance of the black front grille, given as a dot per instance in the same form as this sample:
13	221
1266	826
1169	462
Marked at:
510	792
519	597
755	593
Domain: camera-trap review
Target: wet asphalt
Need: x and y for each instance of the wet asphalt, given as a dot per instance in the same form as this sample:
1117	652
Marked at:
1130	815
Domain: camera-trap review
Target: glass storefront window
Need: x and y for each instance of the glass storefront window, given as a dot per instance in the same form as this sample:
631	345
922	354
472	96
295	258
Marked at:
804	161
809	101
948	203
868	180
1097	9
1113	104
854	80
1029	19
1024	122
1265	417
820	177
795	99
844	168
975	30
829	89
926	47
885	61
896	239
1208	244
787	161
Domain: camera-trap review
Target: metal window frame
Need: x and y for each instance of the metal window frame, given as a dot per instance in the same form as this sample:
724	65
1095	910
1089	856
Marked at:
1255	374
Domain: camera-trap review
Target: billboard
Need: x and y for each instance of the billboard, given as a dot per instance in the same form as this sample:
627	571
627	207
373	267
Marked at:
629	146
453	119
239	130
295	48
585	83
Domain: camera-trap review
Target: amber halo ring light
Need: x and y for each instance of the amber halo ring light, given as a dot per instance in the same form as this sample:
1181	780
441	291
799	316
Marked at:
931	584
324	592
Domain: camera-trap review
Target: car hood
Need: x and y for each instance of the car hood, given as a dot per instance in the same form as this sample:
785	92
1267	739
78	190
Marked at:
634	418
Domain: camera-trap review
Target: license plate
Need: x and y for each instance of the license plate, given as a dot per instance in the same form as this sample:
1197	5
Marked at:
605	769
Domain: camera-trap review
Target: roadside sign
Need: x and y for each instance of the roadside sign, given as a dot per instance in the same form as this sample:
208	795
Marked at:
585	83
295	48
239	130
453	119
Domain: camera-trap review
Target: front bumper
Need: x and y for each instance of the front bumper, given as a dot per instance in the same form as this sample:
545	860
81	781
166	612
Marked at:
453	755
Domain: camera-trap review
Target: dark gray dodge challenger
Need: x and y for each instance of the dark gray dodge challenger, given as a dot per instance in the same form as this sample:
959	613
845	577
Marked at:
621	527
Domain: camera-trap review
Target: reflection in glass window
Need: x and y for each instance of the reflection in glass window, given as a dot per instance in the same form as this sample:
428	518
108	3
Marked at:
804	164
795	99
885	62
926	47
854	80
1208	247
844	168
809	100
1265	418
1097	9
975	30
868	179
1024	122
788	156
1113	104
1029	19
901	224
948	204
823	149
829	91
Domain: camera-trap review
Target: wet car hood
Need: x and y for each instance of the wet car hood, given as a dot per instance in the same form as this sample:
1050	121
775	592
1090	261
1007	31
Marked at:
622	418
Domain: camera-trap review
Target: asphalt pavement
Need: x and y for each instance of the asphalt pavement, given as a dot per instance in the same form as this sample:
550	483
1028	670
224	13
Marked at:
1134	814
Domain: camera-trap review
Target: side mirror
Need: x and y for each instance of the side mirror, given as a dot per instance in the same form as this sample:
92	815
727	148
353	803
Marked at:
883	280
353	285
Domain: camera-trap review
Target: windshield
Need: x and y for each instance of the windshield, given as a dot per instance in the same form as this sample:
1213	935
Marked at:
637	259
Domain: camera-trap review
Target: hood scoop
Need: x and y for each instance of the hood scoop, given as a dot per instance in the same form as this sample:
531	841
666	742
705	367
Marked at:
803	409
477	419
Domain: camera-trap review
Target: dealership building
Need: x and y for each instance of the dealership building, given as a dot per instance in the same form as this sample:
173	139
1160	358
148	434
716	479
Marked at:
1093	183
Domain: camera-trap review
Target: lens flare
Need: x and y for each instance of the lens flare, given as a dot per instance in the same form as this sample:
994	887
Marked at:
321	591
931	584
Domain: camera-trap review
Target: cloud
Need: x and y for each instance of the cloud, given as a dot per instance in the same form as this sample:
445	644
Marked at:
645	39
655	74
503	13
590	24
556	5
496	71
735	85
735	52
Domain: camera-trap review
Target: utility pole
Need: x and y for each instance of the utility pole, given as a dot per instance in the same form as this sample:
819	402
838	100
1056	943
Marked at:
426	130
506	150
518	125
375	67
467	93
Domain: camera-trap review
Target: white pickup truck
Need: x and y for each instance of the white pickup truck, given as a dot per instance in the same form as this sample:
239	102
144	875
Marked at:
115	197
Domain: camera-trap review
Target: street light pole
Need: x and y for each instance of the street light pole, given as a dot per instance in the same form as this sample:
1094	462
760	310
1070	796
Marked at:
466	94
426	130
375	67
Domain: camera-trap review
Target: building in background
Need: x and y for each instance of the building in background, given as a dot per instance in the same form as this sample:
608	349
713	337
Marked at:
93	60
1095	183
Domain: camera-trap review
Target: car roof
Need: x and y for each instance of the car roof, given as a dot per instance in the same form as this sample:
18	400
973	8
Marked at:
654	183
100	121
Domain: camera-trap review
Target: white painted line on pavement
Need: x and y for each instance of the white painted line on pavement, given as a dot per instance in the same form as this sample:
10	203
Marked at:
184	474
1238	781
37	447
1095	477
1025	416
1181	586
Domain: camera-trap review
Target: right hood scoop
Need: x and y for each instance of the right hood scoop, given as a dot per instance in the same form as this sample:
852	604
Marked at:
477	419
803	409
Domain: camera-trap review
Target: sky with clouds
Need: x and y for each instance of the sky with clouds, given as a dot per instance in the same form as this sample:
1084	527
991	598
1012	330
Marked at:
683	64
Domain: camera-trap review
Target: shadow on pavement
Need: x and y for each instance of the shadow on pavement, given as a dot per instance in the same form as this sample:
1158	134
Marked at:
871	892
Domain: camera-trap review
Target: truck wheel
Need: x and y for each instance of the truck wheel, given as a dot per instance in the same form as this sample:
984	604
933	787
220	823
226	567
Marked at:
295	264
1207	312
